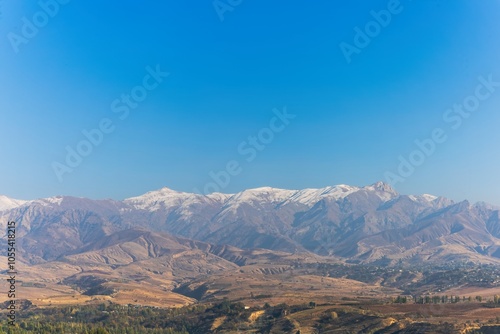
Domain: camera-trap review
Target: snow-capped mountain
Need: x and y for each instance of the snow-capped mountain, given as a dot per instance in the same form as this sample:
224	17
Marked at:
166	197
357	224
7	203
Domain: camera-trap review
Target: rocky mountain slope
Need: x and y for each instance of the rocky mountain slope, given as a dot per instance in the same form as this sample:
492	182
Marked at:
372	224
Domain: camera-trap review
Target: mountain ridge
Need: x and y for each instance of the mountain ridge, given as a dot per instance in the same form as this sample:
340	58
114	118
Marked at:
7	203
354	224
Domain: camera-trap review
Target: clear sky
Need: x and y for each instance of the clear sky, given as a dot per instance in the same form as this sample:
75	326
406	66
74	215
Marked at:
359	97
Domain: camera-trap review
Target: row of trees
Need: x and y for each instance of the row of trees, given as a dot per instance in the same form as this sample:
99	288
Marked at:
104	319
63	328
109	318
445	299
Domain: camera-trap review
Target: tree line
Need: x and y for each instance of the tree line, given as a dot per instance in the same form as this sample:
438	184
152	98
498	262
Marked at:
444	299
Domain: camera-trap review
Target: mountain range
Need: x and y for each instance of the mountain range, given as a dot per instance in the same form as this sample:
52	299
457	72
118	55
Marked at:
371	224
170	248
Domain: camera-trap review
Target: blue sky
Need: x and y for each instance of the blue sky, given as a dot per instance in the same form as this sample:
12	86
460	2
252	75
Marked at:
353	120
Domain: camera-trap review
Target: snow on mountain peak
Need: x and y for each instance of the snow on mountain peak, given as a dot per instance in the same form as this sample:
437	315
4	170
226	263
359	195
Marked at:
383	190
7	203
56	200
154	200
267	193
429	197
435	201
382	187
166	197
311	196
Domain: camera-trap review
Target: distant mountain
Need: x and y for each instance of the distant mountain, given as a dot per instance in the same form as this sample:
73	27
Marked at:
372	224
7	203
